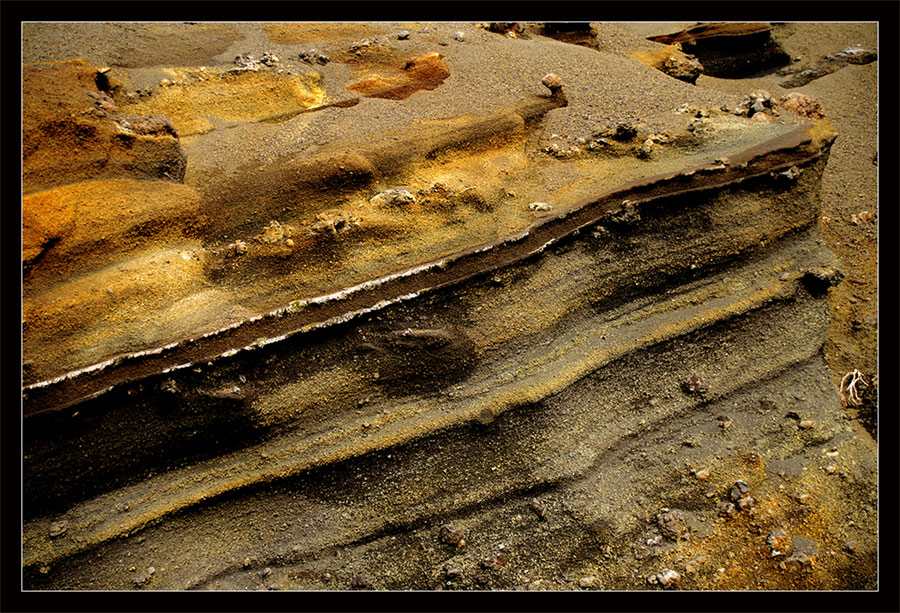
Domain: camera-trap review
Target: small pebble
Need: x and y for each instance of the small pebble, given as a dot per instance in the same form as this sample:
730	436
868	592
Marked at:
806	424
553	82
695	384
669	578
587	581
58	528
236	248
673	524
361	582
450	534
739	490
393	197
746	503
703	474
538	507
727	509
803	553
459	36
540	206
495	561
144	577
776	541
403	35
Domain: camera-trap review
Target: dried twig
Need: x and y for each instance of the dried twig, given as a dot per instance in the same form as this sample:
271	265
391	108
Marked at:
848	392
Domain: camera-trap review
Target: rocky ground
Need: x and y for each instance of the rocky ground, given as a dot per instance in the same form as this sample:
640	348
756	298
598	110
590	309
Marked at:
404	306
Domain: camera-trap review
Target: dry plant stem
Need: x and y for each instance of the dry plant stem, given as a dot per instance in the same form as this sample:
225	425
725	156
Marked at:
848	388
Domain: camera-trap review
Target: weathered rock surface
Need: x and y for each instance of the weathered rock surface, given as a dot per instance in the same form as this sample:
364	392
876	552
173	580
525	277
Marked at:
730	50
345	339
72	132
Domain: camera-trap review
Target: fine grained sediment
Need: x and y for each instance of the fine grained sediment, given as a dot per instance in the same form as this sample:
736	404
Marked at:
440	347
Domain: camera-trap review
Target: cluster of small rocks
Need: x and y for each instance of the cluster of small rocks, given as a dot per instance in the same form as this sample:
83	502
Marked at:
740	500
245	61
756	103
622	132
357	47
560	153
138	94
627	215
333	222
605	141
667	578
690	109
700	125
313	56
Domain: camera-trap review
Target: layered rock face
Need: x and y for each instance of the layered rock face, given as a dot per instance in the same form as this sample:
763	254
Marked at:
375	306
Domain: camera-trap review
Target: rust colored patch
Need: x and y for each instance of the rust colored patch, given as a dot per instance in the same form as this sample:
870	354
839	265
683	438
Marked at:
421	73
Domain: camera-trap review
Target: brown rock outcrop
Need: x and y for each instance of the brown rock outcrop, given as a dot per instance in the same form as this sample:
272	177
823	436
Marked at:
70	132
